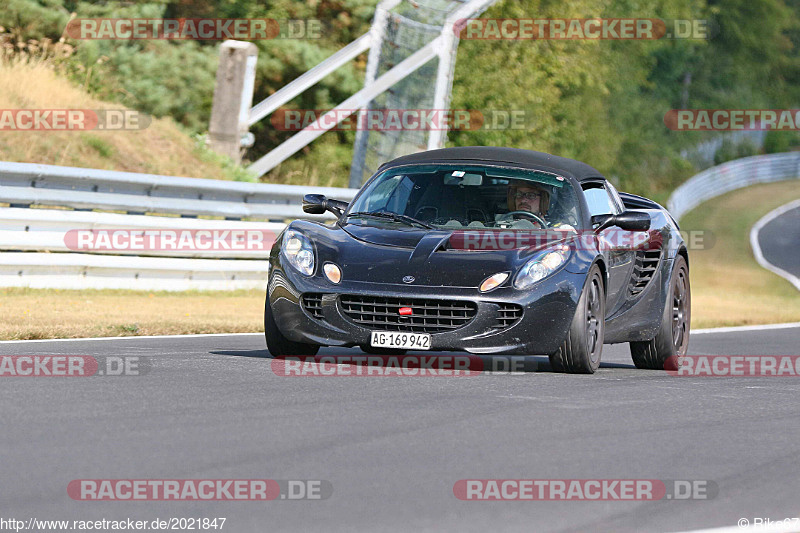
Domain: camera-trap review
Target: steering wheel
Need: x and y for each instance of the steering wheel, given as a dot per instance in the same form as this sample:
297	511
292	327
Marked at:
527	214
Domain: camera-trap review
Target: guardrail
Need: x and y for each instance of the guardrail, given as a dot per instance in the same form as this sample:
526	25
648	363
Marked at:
84	188
730	176
37	252
57	230
89	271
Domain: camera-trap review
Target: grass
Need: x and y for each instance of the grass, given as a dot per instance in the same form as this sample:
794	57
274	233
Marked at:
728	287
161	148
51	314
102	147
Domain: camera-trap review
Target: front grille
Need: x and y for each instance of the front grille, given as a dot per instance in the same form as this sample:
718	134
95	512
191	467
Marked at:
644	268
507	316
312	303
428	315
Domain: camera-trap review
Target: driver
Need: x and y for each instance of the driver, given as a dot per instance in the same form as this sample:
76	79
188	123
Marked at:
532	198
528	197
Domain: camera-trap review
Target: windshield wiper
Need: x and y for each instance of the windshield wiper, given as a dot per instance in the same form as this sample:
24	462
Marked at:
410	221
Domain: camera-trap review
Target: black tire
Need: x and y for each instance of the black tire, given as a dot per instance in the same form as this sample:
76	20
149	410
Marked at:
277	344
382	351
580	353
667	349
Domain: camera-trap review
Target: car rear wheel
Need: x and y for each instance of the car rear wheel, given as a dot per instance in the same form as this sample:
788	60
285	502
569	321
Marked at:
277	344
667	349
580	353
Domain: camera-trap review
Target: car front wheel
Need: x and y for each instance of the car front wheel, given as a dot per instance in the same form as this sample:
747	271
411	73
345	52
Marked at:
277	344
581	350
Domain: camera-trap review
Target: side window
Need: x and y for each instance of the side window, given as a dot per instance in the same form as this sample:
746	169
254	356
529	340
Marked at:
599	201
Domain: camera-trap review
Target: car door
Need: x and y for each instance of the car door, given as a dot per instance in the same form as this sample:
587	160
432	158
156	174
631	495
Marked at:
619	260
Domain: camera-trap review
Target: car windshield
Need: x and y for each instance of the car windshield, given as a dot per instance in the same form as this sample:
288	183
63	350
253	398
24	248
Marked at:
471	196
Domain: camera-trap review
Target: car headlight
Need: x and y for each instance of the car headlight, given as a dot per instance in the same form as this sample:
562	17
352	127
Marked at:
298	251
539	268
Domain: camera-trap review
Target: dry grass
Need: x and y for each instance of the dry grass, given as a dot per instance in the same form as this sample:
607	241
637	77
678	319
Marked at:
728	287
161	148
50	314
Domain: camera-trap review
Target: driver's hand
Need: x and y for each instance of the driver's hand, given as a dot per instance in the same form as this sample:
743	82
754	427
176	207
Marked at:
564	227
525	224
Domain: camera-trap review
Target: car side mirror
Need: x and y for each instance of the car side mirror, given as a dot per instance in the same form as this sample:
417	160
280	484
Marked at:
628	220
317	204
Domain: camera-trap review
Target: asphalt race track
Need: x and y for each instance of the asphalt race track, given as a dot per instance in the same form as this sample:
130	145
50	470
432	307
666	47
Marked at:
210	407
780	241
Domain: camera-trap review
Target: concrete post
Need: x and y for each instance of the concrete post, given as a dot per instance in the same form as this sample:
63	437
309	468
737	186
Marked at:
233	98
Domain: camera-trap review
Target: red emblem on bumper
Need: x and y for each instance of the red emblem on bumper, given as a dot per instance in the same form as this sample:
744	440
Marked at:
405	311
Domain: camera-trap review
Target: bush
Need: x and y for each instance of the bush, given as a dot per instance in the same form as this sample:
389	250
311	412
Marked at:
730	150
781	141
746	148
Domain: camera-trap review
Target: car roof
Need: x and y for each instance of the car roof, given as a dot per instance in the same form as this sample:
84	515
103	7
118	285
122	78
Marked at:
492	154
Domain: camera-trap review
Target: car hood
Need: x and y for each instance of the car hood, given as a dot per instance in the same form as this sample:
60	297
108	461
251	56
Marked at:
432	257
405	237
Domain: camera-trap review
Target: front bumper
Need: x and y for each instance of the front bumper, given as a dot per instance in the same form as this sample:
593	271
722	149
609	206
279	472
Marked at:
547	312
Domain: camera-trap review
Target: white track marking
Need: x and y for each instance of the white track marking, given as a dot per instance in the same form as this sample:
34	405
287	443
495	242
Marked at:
757	327
766	219
772	528
136	337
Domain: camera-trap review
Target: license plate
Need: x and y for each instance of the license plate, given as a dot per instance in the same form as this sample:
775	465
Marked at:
405	341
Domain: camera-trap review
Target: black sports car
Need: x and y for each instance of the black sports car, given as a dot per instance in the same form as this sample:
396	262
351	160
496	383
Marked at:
484	250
